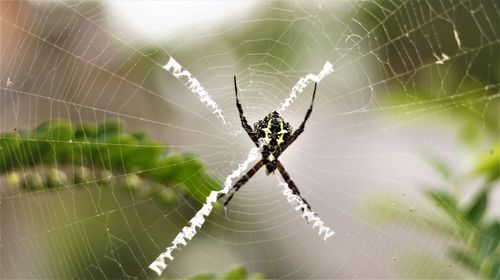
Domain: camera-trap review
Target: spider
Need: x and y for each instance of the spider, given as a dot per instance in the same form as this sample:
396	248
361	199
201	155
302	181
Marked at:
278	136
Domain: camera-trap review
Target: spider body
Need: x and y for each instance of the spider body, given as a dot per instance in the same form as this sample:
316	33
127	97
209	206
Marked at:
278	136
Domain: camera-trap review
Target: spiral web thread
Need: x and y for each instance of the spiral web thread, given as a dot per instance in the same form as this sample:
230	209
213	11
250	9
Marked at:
403	70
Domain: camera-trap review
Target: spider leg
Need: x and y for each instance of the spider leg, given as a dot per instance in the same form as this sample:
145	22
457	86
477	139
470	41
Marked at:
244	121
243	179
297	132
291	184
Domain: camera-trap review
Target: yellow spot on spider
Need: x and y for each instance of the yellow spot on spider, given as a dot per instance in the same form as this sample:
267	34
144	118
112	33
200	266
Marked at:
270	157
281	133
267	130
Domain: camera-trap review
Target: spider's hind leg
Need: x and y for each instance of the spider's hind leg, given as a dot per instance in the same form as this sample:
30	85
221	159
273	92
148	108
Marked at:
291	184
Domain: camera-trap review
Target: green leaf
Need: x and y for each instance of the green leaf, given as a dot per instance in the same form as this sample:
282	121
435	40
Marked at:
140	156
478	208
53	141
494	272
489	163
490	268
58	131
235	273
9	151
257	276
444	201
108	130
440	166
464	258
32	151
490	239
203	276
85	131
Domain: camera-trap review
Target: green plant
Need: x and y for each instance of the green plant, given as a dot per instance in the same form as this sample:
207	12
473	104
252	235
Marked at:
478	235
234	273
475	234
61	154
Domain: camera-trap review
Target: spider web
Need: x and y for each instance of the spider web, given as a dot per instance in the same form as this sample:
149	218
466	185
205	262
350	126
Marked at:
78	61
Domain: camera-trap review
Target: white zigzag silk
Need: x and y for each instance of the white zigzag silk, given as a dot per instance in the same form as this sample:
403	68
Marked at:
190	230
194	85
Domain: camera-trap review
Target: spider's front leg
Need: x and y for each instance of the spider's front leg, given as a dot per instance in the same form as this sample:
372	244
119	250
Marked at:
244	121
243	180
299	131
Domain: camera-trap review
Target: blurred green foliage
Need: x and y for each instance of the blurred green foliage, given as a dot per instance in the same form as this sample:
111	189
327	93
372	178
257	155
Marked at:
233	273
478	247
59	154
56	151
475	234
464	89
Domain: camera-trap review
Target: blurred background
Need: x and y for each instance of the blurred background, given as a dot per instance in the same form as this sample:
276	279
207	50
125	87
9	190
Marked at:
105	155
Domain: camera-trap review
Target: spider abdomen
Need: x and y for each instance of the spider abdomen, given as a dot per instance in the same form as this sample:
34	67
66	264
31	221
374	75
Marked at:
276	133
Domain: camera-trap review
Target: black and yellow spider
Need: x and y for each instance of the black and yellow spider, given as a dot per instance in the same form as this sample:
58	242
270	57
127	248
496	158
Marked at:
278	136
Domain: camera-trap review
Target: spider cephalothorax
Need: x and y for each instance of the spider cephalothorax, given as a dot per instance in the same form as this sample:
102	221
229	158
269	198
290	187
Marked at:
278	136
276	133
